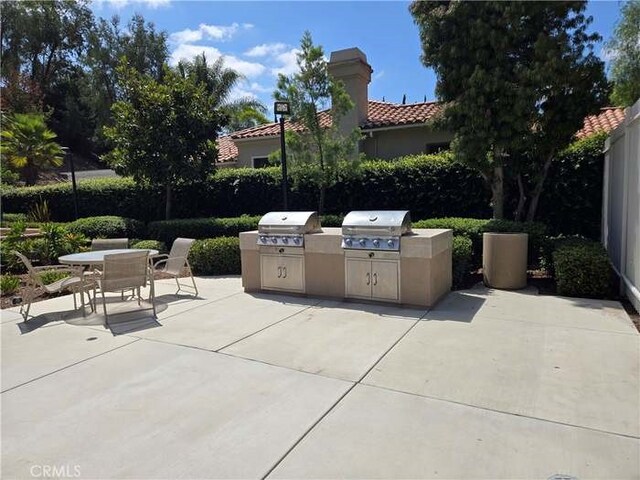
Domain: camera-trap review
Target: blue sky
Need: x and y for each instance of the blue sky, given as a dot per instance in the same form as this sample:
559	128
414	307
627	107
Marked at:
259	38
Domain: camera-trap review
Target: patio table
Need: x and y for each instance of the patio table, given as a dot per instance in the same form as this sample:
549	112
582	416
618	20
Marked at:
97	257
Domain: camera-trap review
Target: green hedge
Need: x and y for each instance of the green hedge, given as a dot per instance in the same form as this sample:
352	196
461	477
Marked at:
462	251
430	186
107	227
216	256
582	269
168	230
150	244
473	228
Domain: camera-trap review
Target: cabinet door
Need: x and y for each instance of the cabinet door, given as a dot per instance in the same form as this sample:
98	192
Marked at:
292	278
358	278
385	280
281	272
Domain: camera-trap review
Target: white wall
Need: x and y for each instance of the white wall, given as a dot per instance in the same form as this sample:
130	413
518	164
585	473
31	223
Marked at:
621	202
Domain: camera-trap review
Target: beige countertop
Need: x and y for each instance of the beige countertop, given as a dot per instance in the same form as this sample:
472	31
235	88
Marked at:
423	242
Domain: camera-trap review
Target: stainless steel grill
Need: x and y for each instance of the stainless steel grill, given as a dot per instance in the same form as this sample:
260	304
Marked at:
287	229
375	229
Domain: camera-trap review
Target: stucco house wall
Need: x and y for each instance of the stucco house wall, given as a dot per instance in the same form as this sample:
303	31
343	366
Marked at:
396	142
255	147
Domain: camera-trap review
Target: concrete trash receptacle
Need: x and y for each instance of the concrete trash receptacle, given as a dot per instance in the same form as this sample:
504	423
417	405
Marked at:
504	260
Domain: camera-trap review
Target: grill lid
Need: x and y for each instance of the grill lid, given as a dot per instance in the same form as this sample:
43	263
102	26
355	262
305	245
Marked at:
377	222
292	223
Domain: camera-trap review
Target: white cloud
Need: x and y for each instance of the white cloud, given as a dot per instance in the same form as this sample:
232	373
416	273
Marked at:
256	87
187	52
288	62
378	75
265	49
208	32
118	4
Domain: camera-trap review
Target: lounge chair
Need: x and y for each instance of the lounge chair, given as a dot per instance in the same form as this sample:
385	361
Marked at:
175	263
125	271
109	244
75	282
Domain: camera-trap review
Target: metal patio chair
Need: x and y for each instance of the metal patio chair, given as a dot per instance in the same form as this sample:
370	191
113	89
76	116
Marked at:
125	271
175	263
109	244
75	282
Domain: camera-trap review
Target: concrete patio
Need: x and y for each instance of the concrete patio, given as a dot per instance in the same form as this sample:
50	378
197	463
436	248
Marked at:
489	384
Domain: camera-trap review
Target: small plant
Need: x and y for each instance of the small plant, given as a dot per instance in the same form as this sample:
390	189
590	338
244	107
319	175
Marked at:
51	276
39	212
582	269
10	243
462	251
9	284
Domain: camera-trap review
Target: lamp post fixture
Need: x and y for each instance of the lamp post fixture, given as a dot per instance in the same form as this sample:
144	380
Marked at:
282	109
69	156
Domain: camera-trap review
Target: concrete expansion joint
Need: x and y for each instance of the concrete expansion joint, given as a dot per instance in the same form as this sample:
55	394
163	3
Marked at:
503	412
337	402
71	365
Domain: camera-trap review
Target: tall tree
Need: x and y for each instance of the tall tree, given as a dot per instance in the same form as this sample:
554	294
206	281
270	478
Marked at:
516	77
163	133
145	49
28	146
220	82
624	48
320	147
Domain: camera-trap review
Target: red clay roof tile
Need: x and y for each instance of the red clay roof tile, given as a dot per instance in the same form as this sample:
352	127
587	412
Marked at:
227	150
608	119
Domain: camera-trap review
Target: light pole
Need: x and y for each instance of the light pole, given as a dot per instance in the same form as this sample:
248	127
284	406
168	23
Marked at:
69	155
282	109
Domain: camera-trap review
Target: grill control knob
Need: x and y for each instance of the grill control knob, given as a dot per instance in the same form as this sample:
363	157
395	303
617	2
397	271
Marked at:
363	241
263	239
390	243
348	242
274	240
296	240
376	243
285	240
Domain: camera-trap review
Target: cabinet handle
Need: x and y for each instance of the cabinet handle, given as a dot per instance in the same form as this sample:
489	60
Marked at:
284	269
375	278
368	278
279	272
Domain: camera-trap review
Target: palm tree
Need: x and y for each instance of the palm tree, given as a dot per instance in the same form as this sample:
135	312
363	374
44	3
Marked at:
28	145
219	81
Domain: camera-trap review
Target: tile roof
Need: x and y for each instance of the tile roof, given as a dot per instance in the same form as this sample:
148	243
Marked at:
385	114
227	150
608	119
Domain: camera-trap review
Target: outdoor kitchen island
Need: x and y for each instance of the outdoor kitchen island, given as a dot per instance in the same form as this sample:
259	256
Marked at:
416	271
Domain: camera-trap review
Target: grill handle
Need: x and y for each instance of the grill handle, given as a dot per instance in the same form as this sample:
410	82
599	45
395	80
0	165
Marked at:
375	279
368	278
284	269
279	272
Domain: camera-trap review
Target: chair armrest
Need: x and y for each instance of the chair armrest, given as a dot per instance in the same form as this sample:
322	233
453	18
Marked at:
158	259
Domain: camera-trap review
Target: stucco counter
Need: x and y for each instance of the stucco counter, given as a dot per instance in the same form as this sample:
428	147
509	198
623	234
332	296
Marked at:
424	265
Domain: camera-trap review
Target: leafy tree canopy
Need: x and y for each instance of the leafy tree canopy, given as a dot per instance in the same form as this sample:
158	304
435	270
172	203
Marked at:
164	132
624	47
321	147
516	77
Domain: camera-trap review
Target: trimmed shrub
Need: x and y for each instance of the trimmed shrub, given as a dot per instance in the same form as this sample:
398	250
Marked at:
473	228
8	284
331	220
462	251
107	227
582	269
168	230
150	244
13	217
216	256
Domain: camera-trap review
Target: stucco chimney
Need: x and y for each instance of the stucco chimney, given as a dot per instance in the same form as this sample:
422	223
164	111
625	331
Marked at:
350	66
